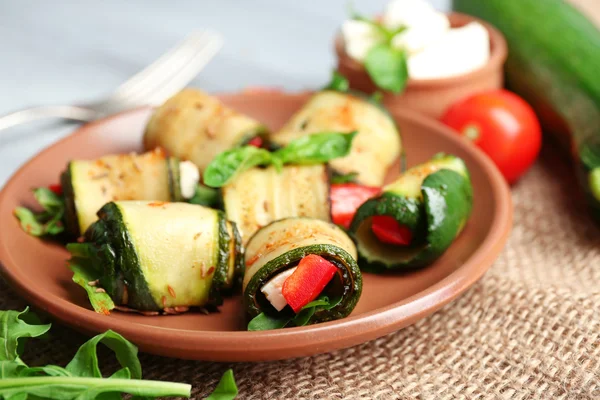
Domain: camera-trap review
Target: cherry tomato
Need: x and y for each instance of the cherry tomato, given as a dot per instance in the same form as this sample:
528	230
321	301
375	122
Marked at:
503	125
389	231
345	200
56	188
256	141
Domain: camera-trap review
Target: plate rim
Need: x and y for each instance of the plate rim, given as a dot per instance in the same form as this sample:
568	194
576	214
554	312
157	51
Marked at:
323	337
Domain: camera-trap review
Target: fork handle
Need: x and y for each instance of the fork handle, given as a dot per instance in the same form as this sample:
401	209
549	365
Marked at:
25	115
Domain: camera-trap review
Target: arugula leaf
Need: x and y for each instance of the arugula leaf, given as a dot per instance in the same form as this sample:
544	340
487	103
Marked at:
12	329
231	162
344	178
205	196
316	148
387	67
84	272
338	83
264	322
46	222
226	389
81	379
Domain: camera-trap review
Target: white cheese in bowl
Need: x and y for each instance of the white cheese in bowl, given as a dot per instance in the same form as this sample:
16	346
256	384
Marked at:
435	50
460	51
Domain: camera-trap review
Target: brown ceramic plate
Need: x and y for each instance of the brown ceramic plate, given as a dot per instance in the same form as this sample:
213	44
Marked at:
37	269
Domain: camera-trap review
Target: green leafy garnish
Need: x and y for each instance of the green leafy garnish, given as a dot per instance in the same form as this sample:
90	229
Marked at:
81	379
310	149
264	322
231	162
339	83
13	327
316	148
226	389
46	222
85	273
205	196
345	178
594	182
387	67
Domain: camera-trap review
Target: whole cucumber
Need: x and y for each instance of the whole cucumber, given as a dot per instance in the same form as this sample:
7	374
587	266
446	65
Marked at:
554	63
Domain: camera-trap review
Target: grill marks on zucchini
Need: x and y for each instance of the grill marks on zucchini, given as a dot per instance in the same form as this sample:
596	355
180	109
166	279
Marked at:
432	200
282	244
194	126
90	184
374	149
259	196
154	256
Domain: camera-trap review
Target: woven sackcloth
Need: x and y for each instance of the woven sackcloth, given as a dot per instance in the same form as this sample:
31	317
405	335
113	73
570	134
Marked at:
530	329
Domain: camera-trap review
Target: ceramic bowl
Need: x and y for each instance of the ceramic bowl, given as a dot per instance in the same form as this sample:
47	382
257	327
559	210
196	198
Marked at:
433	96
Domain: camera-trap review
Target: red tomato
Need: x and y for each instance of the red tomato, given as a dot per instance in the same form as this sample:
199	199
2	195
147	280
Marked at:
389	231
503	125
256	141
308	281
56	188
345	200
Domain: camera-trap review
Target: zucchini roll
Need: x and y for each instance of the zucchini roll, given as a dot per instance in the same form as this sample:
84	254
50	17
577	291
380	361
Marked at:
299	271
416	218
258	196
89	184
374	149
197	127
156	256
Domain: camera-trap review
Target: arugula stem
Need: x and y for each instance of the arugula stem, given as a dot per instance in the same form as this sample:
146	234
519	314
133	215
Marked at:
131	386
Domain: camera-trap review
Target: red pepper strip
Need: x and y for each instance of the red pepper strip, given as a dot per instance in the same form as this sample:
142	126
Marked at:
256	141
345	200
307	281
389	231
56	188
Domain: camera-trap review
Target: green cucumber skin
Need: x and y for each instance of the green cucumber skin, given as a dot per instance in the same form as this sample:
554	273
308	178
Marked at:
110	230
553	63
435	222
351	275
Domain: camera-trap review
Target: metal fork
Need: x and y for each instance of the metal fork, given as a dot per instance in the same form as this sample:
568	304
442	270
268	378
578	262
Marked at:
170	73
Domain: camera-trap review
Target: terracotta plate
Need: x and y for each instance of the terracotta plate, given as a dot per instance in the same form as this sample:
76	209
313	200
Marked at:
37	269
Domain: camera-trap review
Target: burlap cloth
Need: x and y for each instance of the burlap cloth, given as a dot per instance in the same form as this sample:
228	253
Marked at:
529	330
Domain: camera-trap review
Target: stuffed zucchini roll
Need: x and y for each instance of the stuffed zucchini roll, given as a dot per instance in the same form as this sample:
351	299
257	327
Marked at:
416	218
374	149
156	256
195	126
89	184
256	197
299	271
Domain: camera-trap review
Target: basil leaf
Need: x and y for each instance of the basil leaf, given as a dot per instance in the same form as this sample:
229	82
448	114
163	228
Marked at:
387	67
226	389
231	162
377	97
13	329
316	148
205	196
46	222
345	178
264	322
338	83
304	316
